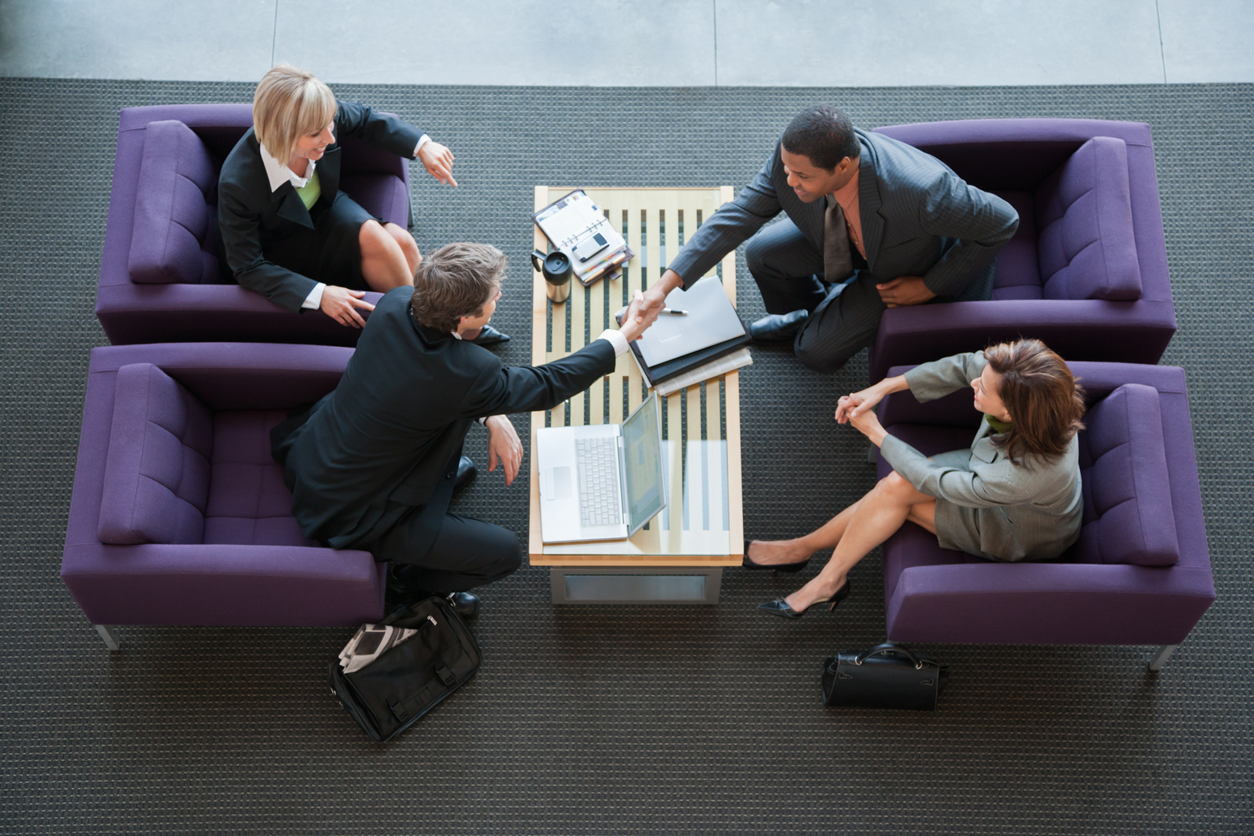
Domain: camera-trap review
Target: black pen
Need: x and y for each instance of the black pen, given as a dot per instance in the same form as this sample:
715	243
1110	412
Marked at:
674	312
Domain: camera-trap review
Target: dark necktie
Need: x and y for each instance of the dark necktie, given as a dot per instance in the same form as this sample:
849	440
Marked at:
837	260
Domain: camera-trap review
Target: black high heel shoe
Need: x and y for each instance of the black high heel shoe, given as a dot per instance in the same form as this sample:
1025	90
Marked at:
780	607
774	567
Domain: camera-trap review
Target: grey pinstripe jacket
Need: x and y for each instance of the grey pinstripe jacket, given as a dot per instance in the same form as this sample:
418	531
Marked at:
918	219
987	505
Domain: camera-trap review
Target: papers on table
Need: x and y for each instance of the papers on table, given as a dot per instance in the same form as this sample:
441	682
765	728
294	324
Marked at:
710	320
727	363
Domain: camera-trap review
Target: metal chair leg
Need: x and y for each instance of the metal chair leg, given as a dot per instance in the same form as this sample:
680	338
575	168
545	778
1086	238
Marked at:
110	637
1161	656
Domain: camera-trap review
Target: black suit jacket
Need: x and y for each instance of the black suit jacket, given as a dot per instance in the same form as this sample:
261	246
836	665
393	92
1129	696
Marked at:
918	219
388	438
255	221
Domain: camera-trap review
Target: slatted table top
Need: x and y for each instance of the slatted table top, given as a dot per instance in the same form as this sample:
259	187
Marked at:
702	525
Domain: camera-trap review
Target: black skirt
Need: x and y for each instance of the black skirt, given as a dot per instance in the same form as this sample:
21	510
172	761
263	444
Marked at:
331	251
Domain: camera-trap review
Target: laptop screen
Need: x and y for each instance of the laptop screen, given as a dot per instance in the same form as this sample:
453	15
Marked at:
642	455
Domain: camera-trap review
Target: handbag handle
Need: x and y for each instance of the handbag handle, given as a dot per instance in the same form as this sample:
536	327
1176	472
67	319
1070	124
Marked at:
885	648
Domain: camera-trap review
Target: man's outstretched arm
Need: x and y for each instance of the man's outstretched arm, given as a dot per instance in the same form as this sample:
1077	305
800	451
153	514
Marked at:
722	232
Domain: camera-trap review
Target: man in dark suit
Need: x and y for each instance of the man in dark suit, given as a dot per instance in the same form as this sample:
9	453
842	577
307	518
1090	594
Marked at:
872	223
373	465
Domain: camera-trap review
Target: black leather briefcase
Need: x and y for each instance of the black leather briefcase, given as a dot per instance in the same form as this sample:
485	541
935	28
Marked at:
886	676
413	673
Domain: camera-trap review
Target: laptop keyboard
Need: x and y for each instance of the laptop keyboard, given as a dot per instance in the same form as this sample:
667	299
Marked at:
597	459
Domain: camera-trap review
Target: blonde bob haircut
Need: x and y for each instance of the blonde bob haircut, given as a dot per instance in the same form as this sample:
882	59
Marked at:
290	103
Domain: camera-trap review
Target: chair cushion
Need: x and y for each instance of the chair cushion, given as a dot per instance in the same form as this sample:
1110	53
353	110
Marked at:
1084	218
248	502
156	476
1018	273
1128	515
175	235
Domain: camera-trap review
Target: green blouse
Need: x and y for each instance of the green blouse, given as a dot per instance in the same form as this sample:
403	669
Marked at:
311	191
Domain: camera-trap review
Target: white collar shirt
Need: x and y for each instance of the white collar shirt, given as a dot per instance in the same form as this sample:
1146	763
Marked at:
278	173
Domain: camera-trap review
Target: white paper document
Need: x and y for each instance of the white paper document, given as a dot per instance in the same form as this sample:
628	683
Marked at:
727	363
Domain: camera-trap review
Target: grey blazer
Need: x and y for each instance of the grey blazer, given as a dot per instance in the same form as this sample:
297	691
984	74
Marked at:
918	219
987	505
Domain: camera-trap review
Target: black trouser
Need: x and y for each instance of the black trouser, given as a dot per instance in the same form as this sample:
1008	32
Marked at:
465	553
843	319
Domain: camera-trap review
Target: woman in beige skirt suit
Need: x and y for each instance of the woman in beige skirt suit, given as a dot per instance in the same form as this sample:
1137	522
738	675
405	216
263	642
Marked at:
1013	495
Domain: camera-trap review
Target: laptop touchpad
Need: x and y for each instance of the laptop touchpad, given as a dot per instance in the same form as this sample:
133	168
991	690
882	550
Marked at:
562	487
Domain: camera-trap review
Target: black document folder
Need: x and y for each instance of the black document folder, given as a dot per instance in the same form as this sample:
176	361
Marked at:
673	368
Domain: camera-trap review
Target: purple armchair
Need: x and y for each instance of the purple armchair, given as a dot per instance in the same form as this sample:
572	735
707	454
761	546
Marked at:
1140	572
179	516
163	276
1087	270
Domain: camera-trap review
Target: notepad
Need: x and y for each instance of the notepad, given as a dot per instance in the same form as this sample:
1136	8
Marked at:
573	220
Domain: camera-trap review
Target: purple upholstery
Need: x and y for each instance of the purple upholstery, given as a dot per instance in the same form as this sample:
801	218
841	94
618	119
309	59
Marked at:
184	303
248	502
1071	274
176	225
1084	226
936	595
156	478
1123	467
252	565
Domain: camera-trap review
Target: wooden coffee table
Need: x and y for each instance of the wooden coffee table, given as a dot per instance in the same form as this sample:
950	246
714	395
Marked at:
679	556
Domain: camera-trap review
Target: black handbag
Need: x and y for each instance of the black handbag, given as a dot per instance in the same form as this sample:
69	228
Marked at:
412	676
886	676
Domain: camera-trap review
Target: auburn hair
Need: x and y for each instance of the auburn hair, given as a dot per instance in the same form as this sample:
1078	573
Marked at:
1043	398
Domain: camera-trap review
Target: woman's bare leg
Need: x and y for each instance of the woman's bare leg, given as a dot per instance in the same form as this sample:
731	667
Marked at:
384	265
878	516
923	514
409	247
770	552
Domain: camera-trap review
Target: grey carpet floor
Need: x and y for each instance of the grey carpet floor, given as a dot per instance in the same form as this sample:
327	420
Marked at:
630	719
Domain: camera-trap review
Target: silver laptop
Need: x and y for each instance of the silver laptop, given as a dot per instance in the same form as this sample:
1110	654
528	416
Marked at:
602	481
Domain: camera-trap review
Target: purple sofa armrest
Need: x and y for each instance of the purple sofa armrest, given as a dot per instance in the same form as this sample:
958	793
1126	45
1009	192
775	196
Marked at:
134	313
1018	154
1131	332
262	376
1048	603
224	585
953	410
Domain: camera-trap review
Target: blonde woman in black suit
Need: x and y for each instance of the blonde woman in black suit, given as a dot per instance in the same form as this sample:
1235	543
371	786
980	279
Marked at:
289	232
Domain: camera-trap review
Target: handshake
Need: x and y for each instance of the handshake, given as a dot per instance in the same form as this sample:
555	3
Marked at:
634	320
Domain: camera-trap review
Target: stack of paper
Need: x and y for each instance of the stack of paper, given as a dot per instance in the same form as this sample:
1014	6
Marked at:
706	340
727	363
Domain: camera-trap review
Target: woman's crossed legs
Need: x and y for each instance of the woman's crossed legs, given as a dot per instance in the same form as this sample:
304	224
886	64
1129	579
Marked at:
852	534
